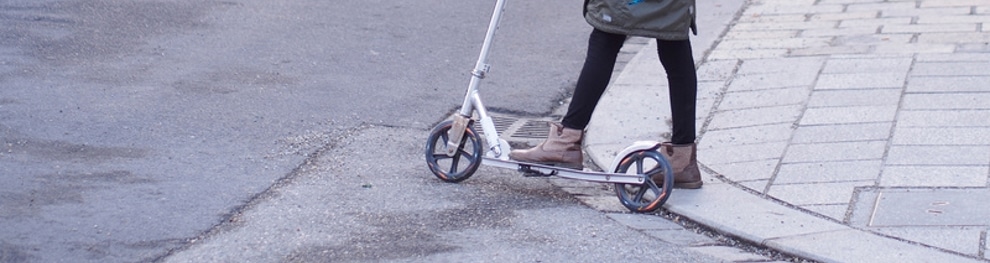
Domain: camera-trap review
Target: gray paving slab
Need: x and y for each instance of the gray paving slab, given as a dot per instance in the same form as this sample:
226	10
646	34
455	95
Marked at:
750	135
772	18
764	98
914	48
743	214
918	84
864	97
934	176
794	42
876	22
949	57
930	18
961	68
938	155
940	207
963	239
762	81
720	54
866	39
985	246
859	246
756	116
842	31
980	47
941	136
710	90
823	193
833	211
950	3
940	11
919	28
861	80
793	9
823	172
842	132
895	65
951	19
947	101
802	69
829	50
842	16
943	118
759	186
777	34
879	6
848	115
838	151
722	154
747	171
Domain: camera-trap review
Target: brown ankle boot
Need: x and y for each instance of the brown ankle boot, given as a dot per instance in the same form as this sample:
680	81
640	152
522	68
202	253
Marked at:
562	148
684	160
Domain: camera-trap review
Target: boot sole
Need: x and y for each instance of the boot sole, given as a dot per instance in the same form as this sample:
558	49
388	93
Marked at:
689	185
571	166
578	167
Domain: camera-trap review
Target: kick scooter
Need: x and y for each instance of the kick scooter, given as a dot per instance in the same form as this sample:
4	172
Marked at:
454	148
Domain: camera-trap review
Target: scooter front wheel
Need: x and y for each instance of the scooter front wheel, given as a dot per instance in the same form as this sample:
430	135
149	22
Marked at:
462	164
659	180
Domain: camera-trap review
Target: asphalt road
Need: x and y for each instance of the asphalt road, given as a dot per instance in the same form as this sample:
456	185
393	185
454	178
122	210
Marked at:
338	208
131	129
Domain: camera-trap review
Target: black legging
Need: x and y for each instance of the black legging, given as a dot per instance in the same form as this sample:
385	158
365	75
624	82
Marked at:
677	61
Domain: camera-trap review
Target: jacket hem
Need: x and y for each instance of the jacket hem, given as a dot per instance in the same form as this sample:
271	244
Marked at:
650	33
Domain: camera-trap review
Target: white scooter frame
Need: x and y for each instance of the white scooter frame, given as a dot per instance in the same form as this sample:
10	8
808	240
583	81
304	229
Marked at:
456	140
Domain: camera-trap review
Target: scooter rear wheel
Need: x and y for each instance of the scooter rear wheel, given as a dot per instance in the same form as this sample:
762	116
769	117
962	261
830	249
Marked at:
646	197
465	160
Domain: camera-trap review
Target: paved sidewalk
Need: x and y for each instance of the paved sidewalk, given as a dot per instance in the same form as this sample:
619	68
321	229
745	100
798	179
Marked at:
836	130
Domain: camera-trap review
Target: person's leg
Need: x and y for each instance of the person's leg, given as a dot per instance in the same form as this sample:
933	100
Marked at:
603	48
563	145
678	62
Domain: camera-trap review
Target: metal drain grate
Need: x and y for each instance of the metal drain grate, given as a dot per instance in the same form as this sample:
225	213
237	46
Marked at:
502	124
533	129
517	129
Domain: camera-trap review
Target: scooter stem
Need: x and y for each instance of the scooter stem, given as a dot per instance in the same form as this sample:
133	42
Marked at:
472	101
481	67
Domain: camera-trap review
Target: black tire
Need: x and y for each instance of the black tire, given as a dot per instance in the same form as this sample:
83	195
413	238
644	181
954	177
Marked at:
452	168
646	197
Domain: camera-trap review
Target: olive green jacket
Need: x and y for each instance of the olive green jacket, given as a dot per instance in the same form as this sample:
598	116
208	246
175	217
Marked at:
661	19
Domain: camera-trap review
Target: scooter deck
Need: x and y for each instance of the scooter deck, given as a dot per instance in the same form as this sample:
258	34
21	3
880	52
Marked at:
550	170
